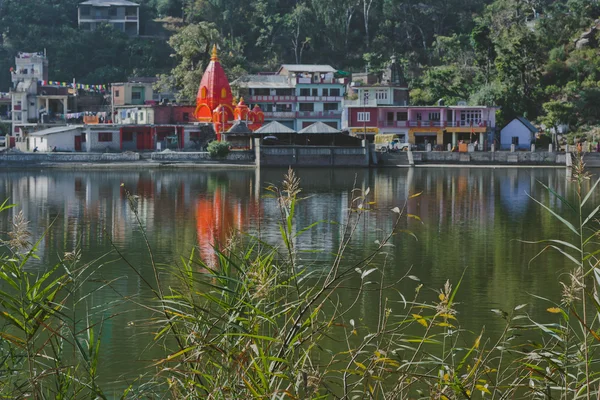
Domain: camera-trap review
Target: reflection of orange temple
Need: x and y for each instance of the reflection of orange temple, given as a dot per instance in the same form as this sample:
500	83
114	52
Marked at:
215	103
217	219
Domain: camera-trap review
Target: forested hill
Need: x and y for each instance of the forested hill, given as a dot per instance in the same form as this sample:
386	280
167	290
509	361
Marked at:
518	54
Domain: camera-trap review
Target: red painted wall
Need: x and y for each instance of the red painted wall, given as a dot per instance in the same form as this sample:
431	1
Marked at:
353	116
173	114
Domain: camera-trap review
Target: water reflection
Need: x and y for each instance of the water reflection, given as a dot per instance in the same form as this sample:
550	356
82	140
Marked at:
469	221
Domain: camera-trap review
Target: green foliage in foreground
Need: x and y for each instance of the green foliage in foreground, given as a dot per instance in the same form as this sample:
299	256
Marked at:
218	149
254	323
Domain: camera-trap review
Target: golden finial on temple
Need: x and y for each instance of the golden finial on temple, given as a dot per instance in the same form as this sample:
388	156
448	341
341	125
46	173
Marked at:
214	56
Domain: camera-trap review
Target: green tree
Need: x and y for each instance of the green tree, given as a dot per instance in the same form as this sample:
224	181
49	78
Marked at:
192	46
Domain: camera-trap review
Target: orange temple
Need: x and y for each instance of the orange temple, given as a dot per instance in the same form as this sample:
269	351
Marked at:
214	101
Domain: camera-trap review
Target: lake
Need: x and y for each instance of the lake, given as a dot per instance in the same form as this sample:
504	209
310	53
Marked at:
471	223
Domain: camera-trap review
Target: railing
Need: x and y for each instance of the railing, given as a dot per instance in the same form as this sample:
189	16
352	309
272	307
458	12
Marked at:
367	103
270	99
280	114
318	114
309	81
96	18
320	98
435	124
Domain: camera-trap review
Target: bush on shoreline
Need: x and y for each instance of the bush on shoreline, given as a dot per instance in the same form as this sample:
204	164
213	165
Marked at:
218	149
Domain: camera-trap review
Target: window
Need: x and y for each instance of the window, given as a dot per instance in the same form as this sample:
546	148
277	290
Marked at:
330	106
136	95
304	92
401	116
105	136
390	117
141	114
315	92
334	92
306	106
364	116
86	26
381	94
83	137
186	117
128	136
515	140
419	117
262	92
283	107
117	94
284	92
470	117
112	11
434	116
325	92
84	11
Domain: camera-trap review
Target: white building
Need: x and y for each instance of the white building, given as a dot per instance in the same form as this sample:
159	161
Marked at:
123	15
519	132
73	138
297	95
32	102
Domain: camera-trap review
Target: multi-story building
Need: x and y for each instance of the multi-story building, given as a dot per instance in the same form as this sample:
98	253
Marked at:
32	102
382	106
123	15
436	125
296	95
136	101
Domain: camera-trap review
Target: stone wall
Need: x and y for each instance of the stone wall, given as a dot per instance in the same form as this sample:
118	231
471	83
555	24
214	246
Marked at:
41	158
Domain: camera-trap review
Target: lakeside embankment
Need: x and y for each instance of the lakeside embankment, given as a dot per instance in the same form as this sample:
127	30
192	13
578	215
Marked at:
297	156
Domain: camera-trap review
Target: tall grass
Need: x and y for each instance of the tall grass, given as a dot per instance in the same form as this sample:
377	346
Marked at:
259	323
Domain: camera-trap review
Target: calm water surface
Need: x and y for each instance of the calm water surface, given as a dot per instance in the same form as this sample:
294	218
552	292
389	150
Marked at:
471	221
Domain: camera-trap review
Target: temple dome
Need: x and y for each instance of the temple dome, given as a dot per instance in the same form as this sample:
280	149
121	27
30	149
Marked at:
214	90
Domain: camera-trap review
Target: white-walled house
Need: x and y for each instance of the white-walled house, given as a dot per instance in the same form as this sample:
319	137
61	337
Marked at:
519	132
73	138
101	138
61	137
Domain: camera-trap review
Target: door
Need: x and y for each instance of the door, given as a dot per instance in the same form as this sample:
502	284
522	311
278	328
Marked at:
139	137
77	143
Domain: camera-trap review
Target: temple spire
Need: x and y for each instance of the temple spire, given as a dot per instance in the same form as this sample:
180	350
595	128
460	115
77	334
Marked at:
214	56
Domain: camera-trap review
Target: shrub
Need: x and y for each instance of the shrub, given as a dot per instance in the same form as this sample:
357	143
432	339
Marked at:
218	149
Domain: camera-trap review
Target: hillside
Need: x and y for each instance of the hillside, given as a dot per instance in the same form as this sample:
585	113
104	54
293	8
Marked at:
537	58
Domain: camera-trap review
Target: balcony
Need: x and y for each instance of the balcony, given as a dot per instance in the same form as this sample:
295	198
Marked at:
272	99
280	114
367	103
434	124
319	81
319	114
333	99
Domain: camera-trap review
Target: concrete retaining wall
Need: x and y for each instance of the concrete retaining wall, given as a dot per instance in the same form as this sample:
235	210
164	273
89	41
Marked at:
203	157
475	158
313	156
41	158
